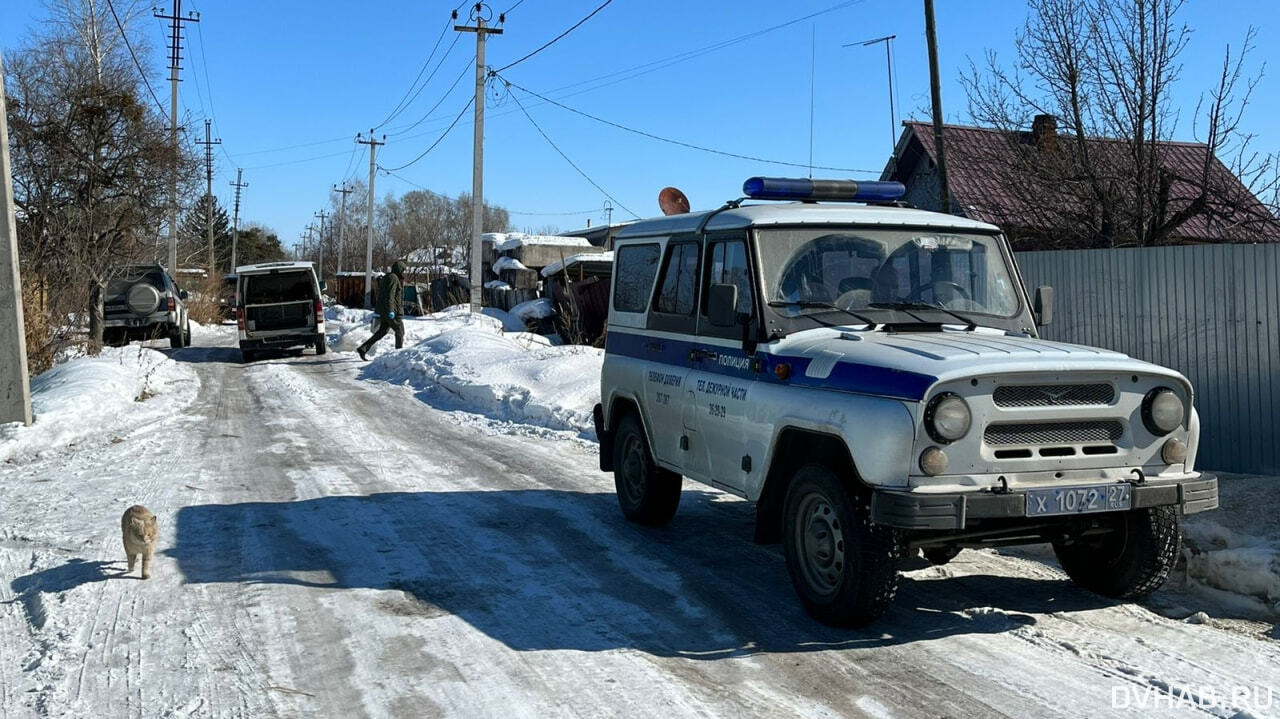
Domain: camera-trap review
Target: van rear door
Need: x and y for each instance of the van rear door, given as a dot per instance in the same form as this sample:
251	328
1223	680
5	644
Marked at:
279	302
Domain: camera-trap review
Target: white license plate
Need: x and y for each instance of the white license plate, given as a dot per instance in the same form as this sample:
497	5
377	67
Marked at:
1079	500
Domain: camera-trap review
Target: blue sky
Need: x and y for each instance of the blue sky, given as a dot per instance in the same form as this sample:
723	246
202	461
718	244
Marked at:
289	83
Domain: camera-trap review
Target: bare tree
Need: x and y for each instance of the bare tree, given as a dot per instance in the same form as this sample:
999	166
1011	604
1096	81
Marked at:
1105	70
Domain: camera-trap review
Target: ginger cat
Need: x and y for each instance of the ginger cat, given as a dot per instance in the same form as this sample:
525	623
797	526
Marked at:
139	527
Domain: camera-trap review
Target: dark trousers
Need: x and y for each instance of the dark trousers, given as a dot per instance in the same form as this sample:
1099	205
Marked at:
385	325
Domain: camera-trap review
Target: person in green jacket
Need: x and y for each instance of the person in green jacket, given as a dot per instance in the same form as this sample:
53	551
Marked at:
389	306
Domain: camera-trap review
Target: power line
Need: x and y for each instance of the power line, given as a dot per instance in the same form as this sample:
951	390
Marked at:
402	105
441	195
469	64
513	7
442	136
297	162
556	38
294	147
566	158
141	72
679	143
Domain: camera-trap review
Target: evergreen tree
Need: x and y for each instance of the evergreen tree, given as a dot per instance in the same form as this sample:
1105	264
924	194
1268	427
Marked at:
193	237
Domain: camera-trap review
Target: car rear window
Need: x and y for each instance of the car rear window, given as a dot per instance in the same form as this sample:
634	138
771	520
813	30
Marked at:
127	277
282	287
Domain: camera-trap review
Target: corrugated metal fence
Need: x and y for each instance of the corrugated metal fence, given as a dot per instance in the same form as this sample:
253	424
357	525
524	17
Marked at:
1212	312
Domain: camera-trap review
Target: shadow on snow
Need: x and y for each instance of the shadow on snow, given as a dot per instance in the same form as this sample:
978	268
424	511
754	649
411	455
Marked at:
541	569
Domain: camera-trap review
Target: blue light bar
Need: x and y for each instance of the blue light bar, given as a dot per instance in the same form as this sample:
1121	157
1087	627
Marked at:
799	188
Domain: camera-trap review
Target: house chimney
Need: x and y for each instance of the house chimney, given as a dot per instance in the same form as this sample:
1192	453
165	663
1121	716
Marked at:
1044	132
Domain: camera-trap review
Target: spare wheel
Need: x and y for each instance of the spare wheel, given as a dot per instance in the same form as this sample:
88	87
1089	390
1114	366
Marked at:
143	299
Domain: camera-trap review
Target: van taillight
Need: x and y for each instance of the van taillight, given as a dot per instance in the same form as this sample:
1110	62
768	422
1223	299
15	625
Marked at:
319	311
240	318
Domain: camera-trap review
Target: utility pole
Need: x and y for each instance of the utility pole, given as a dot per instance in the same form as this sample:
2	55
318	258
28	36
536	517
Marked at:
175	58
208	193
342	221
308	243
935	91
893	117
477	170
235	222
15	384
373	144
320	243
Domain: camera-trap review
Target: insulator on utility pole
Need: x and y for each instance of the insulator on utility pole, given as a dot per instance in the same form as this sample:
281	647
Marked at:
477	171
373	144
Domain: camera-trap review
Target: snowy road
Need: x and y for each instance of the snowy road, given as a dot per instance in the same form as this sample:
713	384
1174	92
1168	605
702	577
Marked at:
333	546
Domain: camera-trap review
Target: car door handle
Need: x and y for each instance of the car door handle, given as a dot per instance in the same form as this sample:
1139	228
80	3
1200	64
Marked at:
697	355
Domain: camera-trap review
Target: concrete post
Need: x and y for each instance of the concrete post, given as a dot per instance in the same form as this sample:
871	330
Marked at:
15	385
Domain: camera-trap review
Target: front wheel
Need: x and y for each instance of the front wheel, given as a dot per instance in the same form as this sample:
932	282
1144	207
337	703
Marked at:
843	566
647	493
1130	561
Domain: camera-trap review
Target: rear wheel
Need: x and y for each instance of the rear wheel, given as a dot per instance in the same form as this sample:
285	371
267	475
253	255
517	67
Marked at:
186	333
940	555
177	338
247	356
647	493
842	565
1129	562
321	346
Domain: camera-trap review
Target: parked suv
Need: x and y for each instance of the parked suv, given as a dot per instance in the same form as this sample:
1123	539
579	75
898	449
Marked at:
278	306
872	378
142	302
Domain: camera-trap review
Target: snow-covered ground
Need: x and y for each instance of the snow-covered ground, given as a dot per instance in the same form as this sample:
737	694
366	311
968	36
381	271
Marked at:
426	534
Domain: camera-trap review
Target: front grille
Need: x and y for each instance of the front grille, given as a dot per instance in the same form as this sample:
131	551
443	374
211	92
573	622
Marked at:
1053	395
1042	433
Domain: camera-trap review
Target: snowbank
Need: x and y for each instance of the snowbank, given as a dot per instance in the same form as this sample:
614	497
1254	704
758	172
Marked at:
603	258
508	263
508	375
99	398
538	309
1236	549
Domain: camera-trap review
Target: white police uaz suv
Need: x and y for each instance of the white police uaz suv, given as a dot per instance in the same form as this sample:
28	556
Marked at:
870	376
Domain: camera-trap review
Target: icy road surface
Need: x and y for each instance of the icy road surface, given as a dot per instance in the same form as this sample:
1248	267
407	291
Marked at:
333	546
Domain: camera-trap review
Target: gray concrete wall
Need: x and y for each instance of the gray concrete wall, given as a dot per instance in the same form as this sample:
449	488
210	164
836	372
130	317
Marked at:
1211	312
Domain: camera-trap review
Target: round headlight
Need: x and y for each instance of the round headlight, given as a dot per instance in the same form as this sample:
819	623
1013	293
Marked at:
1162	411
947	417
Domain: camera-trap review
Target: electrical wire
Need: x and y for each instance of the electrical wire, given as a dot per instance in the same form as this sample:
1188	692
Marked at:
296	162
208	88
679	143
557	38
439	139
403	105
124	36
513	7
441	195
295	147
447	93
571	162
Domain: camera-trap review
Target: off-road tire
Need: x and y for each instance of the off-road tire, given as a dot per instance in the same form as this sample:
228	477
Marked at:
1130	562
186	333
177	338
842	565
247	356
939	556
321	346
647	493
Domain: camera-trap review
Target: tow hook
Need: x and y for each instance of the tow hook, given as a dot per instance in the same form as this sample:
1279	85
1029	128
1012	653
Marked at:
1138	481
1003	488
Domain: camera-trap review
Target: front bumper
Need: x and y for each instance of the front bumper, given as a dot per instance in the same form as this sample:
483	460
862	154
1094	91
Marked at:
913	510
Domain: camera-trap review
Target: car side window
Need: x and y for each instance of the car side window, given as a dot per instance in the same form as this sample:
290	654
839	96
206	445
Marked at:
635	267
727	265
678	285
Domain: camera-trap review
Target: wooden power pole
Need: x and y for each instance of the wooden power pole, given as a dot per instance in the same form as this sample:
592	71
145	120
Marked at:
935	91
373	144
175	60
235	222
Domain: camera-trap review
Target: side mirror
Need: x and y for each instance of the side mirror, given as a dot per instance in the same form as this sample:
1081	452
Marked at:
182	294
324	285
722	305
1044	305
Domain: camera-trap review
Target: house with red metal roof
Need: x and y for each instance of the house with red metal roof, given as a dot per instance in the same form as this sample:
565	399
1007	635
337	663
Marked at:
1051	190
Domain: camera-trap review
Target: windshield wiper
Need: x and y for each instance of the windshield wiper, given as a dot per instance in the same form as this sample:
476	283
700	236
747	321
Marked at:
806	304
969	324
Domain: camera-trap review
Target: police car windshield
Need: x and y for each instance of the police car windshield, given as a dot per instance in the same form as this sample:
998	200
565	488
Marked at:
871	269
